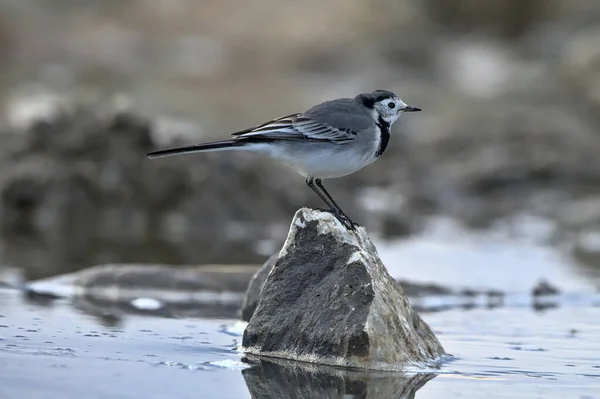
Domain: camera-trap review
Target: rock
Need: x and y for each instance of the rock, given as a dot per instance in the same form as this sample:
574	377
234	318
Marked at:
544	288
174	291
275	379
112	278
256	284
423	289
329	300
253	291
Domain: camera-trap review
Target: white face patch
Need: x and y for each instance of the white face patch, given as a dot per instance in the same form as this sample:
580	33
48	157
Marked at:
389	109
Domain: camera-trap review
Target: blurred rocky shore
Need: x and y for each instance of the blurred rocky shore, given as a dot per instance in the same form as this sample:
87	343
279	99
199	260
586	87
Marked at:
510	90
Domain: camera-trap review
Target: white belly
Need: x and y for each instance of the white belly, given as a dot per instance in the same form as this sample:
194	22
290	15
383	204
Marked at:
320	161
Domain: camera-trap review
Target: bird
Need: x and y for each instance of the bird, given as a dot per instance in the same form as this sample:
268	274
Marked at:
332	139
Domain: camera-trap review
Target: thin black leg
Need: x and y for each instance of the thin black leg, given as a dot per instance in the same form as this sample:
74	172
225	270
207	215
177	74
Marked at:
310	182
319	183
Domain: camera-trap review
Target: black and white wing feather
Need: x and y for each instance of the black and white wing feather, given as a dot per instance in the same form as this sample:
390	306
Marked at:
297	127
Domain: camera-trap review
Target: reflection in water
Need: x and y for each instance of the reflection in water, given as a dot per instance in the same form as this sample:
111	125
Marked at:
276	379
41	299
541	305
103	308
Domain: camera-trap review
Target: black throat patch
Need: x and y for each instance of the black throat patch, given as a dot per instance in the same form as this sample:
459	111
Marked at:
384	128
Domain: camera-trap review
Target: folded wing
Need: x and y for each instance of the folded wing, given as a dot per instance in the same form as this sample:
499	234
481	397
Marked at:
297	127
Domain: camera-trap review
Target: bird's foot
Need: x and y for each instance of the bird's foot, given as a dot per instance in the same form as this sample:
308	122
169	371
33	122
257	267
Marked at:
346	221
342	217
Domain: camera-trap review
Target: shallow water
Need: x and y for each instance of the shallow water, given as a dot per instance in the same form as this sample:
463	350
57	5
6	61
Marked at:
512	262
54	352
524	347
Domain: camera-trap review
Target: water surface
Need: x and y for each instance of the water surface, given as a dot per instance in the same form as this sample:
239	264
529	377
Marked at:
55	352
521	347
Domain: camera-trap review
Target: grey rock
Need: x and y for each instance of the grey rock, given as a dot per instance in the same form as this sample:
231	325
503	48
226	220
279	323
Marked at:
330	300
163	290
256	284
544	288
192	279
275	379
411	289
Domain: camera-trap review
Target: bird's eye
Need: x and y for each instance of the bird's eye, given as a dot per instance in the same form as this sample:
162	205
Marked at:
392	105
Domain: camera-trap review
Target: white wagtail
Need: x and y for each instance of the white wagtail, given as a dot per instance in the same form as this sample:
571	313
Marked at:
332	139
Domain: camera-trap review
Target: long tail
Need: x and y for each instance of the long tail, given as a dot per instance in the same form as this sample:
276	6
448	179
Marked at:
207	147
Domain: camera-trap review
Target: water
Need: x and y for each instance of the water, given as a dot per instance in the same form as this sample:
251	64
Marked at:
524	347
56	352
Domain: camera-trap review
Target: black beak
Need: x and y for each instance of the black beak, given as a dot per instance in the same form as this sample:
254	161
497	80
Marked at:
410	108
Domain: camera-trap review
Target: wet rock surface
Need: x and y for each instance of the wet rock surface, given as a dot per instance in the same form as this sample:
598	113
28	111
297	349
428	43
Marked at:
329	299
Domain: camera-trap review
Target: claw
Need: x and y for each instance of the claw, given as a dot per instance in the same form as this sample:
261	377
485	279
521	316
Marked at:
346	221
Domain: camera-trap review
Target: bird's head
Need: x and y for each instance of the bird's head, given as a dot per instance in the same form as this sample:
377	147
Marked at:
385	105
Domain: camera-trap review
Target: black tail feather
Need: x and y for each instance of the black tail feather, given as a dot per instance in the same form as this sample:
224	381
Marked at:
217	145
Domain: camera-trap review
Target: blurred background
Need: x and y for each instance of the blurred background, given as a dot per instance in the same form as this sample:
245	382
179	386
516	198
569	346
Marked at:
509	136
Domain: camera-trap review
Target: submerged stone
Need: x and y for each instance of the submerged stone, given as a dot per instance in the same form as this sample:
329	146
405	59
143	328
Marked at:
329	299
